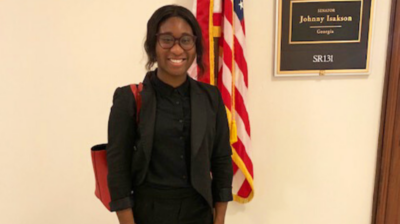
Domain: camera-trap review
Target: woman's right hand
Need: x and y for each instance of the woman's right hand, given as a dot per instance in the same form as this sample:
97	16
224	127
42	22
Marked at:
126	216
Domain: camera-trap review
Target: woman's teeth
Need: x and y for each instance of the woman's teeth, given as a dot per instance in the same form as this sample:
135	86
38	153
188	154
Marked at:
176	60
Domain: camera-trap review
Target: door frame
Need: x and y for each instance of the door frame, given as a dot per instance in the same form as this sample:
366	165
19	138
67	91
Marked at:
386	204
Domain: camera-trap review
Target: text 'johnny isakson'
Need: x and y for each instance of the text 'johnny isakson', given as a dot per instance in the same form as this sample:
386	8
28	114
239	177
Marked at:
327	18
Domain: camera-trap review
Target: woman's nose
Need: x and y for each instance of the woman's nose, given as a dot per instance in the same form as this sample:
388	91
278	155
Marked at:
176	48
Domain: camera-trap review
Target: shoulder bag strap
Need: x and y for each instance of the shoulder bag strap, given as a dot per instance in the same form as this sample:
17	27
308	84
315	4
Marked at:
136	89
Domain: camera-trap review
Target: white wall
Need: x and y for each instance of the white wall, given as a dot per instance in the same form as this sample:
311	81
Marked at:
314	139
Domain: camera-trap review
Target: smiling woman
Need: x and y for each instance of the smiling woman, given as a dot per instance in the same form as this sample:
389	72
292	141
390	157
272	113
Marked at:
154	25
159	167
173	59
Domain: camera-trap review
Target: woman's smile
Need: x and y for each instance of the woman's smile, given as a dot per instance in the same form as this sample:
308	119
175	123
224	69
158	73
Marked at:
177	62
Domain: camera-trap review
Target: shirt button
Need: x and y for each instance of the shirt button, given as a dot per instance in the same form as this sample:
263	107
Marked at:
180	121
181	156
177	102
183	177
181	138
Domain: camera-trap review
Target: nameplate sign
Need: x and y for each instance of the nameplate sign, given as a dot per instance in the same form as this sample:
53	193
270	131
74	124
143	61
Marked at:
325	22
322	37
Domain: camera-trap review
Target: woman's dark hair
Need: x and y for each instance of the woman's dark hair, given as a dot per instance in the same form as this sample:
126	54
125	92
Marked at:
153	25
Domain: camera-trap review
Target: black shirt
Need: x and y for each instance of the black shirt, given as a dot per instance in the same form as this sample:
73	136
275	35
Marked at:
170	157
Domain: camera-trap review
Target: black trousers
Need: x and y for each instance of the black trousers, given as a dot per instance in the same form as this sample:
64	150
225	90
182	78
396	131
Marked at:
170	206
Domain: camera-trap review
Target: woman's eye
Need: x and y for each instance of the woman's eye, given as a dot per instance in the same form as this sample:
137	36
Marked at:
186	40
167	39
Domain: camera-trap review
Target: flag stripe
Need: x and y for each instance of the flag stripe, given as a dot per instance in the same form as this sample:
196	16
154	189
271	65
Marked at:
245	189
239	32
241	61
242	134
223	86
228	12
240	83
238	180
241	150
227	59
242	111
235	168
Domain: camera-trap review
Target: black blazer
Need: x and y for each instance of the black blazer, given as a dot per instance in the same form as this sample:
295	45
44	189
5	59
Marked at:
129	145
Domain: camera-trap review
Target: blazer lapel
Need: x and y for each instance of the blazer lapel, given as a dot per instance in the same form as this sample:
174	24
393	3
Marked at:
147	116
199	116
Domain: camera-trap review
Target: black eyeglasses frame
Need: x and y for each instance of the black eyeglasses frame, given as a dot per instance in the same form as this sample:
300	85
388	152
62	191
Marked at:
175	40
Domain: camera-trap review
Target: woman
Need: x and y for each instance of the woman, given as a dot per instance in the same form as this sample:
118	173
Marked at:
174	164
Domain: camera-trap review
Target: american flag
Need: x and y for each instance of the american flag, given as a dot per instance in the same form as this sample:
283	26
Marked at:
224	19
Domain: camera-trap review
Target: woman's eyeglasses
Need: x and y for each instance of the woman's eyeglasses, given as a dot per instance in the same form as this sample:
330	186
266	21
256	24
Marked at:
167	41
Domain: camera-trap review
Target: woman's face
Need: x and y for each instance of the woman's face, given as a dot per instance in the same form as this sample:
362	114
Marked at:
174	61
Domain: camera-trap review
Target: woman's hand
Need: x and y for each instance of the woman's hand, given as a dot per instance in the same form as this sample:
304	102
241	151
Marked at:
220	211
219	222
126	216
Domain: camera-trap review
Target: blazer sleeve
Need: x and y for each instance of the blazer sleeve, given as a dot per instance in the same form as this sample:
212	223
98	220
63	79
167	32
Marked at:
121	134
221	160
